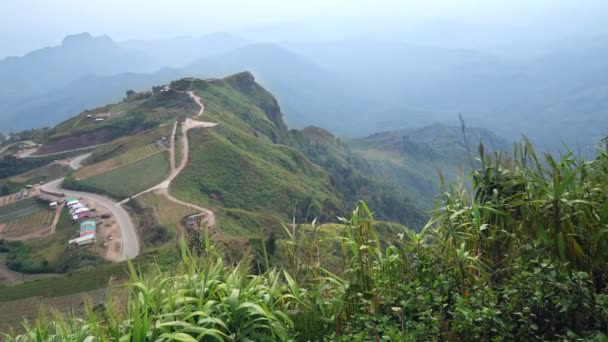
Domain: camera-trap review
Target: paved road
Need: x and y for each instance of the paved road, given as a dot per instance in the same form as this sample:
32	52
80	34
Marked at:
30	154
129	235
6	147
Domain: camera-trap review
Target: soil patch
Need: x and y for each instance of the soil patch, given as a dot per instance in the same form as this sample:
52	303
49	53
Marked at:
75	142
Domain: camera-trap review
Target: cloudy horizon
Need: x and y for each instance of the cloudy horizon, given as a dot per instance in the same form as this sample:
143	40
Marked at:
32	24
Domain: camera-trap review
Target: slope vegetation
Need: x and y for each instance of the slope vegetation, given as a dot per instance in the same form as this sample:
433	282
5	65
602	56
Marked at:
413	160
241	162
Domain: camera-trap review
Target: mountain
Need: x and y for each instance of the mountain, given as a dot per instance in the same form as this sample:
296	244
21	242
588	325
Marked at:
356	87
412	159
309	93
53	70
180	51
78	55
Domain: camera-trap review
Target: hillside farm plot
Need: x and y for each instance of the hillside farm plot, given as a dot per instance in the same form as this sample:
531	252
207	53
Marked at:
8	199
28	224
133	155
18	209
130	179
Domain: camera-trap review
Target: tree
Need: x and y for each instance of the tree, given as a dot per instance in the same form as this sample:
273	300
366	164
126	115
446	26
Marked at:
130	94
4	190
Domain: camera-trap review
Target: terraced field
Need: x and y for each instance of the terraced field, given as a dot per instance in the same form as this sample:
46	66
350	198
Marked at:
133	155
130	179
8	199
139	153
18	209
29	223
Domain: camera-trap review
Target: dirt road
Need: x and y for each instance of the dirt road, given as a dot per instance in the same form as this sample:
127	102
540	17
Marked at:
76	163
163	187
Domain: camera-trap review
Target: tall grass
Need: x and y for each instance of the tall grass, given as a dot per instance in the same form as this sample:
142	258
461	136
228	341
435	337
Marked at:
521	256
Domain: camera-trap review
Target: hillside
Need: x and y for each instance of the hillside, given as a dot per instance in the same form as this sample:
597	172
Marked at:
413	159
516	258
101	125
250	161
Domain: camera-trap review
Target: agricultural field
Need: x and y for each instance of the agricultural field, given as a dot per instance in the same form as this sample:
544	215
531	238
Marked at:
13	210
125	144
127	180
28	224
129	157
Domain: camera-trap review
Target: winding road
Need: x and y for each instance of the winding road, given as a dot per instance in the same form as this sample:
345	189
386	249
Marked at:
163	187
130	239
129	234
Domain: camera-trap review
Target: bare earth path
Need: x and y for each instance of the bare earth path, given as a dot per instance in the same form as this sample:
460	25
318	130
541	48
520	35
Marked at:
163	187
8	275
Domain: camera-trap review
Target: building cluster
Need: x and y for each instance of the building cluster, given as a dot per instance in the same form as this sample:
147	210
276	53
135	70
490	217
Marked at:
83	215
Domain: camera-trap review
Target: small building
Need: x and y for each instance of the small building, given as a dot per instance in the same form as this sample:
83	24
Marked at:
78	205
81	210
88	227
71	203
83	216
53	205
83	240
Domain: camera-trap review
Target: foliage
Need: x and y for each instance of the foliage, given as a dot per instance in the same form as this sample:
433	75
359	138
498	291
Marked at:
49	254
356	179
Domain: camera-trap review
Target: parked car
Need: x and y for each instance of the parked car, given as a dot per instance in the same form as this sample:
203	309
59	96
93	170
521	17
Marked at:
105	216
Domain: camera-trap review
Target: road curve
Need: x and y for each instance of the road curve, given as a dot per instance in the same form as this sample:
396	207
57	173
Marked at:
130	241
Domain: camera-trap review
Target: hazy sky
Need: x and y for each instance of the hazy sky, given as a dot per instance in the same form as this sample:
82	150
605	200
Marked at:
29	24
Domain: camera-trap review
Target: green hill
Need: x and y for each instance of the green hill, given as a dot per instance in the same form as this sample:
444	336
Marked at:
250	161
412	159
138	113
241	164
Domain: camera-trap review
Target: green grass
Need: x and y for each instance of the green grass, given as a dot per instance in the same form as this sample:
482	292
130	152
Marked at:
178	146
139	153
229	168
57	286
247	224
239	165
130	179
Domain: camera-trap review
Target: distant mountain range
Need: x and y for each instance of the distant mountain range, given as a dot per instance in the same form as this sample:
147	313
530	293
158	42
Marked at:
353	87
